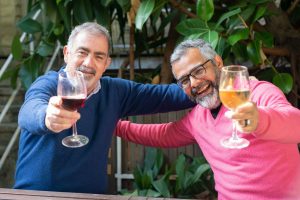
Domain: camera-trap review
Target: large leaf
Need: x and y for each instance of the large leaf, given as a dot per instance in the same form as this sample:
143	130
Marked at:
220	48
16	48
259	13
161	186
102	14
83	11
227	15
143	13
199	172
253	50
211	37
29	26
284	81
237	35
205	9
266	38
30	70
45	49
192	26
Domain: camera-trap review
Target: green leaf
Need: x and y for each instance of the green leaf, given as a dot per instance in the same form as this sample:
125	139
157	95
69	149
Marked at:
221	46
199	172
143	13
162	187
266	38
45	49
266	74
59	29
227	15
192	26
152	193
65	13
284	81
259	13
253	50
211	37
240	52
29	71
29	26
102	15
205	9
237	35
16	48
125	5
83	11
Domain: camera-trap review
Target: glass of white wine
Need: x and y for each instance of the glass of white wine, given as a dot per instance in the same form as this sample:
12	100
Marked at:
234	90
72	89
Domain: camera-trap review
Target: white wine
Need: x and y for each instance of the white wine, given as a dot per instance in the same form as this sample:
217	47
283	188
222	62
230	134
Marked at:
234	98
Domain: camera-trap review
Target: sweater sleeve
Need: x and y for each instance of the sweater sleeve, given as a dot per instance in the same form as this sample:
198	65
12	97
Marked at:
33	111
166	135
139	99
278	119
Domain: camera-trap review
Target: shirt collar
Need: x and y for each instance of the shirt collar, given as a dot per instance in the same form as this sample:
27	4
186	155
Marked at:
96	89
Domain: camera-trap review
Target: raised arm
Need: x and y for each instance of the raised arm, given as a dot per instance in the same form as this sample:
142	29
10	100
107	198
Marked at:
171	134
278	119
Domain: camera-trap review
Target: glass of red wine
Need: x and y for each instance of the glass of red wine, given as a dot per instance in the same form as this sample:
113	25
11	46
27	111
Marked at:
72	89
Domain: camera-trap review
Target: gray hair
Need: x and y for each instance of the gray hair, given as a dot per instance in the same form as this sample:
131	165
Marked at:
91	28
205	49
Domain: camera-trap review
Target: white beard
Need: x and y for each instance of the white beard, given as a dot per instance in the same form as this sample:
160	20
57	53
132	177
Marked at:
209	101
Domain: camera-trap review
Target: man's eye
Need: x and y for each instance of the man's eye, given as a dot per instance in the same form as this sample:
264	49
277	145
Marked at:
198	71
185	81
81	52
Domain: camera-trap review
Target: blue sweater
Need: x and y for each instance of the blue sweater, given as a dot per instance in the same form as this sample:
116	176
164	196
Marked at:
45	164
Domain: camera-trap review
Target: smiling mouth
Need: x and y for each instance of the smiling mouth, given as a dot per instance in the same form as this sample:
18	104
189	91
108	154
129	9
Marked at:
201	90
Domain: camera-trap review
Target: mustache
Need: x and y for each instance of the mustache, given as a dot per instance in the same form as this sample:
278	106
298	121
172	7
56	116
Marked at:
195	89
85	69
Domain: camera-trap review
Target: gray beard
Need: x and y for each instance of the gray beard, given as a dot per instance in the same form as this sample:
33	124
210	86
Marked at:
209	101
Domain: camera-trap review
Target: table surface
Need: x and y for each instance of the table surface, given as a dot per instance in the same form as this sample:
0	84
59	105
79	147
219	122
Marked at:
13	194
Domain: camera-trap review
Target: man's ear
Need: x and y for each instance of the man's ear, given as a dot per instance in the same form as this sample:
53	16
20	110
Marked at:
108	62
218	61
66	51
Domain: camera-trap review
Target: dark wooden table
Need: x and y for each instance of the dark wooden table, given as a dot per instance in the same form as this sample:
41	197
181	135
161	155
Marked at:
13	194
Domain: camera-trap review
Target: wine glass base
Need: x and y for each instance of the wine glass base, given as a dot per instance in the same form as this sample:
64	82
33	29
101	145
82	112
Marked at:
237	143
75	141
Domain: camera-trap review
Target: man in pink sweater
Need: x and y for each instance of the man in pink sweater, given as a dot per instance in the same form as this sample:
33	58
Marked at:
269	168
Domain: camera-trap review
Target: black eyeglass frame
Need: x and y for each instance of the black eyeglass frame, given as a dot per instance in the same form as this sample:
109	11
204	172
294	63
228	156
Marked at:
187	77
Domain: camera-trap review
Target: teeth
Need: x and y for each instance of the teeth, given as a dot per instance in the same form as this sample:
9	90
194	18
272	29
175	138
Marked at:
205	88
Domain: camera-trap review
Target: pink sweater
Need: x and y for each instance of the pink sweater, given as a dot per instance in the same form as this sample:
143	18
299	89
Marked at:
268	169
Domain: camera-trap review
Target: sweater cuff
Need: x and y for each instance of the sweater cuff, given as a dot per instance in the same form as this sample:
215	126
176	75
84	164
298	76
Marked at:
263	123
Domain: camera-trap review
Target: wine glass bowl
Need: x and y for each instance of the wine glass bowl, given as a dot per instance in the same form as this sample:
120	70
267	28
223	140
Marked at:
72	89
234	90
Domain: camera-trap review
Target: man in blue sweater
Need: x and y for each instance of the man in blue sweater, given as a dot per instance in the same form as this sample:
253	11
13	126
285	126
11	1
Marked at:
43	162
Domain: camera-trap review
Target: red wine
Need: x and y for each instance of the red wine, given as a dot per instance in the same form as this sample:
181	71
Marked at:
73	102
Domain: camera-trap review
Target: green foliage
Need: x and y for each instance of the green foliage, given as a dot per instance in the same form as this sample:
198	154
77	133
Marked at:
227	25
193	176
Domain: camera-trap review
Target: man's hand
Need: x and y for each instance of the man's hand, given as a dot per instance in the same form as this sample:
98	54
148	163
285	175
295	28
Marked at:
57	118
246	116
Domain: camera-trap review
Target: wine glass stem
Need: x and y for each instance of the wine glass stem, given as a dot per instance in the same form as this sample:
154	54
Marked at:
234	132
74	130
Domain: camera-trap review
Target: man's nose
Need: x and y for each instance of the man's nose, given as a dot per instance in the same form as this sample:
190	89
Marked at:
194	81
89	61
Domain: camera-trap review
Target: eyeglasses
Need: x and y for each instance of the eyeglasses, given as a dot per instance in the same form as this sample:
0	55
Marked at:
197	73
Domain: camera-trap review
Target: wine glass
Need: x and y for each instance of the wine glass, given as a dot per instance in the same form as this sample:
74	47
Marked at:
234	90
72	89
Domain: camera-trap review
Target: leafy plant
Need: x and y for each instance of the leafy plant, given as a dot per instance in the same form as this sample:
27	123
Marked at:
240	31
193	176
